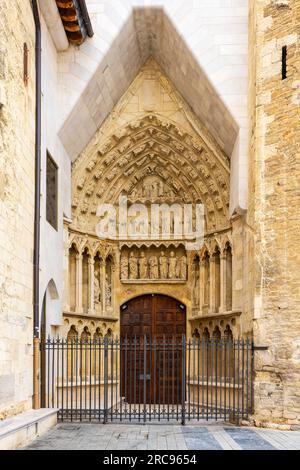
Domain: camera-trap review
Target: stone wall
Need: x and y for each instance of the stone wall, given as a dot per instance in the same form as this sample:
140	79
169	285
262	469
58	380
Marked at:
16	206
274	209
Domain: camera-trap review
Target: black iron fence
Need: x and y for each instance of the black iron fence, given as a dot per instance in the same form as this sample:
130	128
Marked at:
143	379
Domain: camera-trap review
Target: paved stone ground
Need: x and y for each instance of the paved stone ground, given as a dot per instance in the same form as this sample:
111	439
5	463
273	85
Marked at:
164	437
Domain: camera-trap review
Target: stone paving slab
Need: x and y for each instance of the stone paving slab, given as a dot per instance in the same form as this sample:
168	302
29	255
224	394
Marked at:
164	437
248	439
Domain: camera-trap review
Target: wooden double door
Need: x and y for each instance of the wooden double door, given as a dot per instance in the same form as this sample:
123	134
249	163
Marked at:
152	327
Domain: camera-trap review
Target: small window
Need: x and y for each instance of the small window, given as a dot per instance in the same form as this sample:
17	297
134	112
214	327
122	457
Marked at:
51	198
283	63
25	64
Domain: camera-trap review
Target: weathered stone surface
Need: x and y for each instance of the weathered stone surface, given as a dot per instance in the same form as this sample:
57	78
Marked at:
274	208
16	207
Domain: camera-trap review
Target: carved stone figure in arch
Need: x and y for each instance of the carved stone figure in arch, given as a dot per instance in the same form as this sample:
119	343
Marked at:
133	266
153	267
85	335
217	334
108	281
163	265
172	266
108	291
97	290
181	268
228	336
206	334
196	334
72	334
109	334
143	266
98	335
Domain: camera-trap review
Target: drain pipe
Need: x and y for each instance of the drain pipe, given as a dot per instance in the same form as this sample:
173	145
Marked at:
86	18
37	208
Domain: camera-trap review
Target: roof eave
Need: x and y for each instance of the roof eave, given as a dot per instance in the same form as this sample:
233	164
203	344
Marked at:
76	20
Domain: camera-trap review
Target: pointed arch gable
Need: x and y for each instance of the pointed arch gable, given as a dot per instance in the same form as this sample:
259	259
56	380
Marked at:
199	93
127	150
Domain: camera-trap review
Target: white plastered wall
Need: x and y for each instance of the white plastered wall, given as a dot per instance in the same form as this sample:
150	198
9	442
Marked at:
51	270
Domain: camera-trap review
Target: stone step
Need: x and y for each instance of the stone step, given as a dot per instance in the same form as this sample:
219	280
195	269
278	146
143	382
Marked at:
22	429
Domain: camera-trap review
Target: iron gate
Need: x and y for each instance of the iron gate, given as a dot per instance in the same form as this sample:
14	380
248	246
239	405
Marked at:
143	379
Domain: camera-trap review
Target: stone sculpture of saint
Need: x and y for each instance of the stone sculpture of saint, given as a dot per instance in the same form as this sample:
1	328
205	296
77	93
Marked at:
172	265
124	267
153	267
195	285
97	291
107	292
133	267
182	267
163	265
143	264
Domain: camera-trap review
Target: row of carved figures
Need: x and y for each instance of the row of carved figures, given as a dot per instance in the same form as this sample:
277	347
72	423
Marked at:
154	267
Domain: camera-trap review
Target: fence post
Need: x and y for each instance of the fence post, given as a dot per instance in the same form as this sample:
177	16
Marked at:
145	378
105	380
183	379
36	373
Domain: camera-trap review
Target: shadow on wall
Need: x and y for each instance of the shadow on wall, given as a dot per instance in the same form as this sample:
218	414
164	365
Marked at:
148	32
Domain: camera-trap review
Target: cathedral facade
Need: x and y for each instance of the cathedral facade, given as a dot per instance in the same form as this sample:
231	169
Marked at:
183	104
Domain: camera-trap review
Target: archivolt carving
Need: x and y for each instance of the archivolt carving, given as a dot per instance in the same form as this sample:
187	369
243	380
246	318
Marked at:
156	147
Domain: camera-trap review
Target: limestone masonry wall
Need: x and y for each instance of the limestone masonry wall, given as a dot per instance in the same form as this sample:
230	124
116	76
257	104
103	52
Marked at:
274	209
16	206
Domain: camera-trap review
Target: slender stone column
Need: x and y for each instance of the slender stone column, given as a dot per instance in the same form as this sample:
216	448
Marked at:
67	277
223	283
201	284
113	283
91	286
79	283
212	286
102	285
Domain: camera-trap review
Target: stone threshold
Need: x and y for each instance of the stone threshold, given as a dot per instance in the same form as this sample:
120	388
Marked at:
22	429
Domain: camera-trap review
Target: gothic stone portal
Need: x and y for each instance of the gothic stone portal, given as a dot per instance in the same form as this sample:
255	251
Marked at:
162	155
152	376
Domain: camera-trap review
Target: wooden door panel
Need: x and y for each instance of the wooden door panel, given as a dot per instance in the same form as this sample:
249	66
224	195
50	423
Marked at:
154	376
